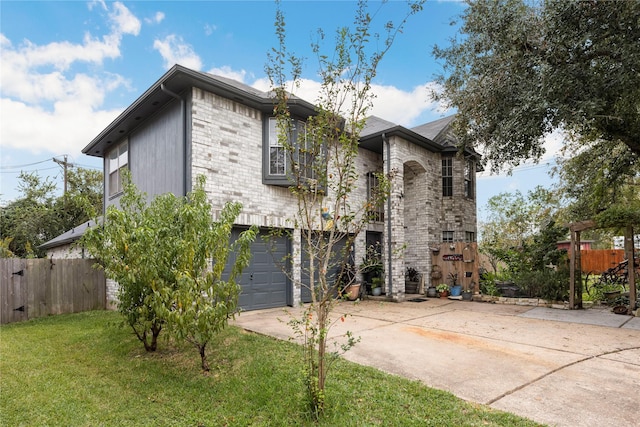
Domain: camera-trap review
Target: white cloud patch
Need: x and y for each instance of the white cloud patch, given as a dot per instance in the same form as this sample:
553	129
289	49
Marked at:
230	73
174	50
125	22
210	29
390	103
155	19
47	104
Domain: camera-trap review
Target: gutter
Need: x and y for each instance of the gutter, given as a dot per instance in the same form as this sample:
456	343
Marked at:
183	121
389	252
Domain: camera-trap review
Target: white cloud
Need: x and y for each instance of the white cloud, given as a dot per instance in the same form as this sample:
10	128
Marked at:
155	19
230	73
392	104
125	22
174	50
209	29
66	129
47	104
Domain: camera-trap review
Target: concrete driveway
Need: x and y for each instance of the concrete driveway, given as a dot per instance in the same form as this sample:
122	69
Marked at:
558	367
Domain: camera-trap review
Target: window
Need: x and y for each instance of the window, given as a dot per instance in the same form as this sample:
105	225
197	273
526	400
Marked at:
277	169
375	209
277	154
469	236
447	236
307	152
447	177
468	178
118	160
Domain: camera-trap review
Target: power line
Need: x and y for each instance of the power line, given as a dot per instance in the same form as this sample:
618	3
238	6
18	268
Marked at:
32	170
25	165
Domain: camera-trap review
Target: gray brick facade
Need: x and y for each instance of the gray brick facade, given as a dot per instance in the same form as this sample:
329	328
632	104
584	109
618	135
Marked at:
223	137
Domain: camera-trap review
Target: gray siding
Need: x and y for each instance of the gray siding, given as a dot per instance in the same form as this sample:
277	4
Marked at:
156	155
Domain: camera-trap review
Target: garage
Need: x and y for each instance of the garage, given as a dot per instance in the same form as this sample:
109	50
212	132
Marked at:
333	273
264	285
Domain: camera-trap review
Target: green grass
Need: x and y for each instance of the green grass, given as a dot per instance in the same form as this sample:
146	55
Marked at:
85	370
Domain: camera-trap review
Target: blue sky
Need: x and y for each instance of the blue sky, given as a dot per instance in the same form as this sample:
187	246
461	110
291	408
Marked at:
69	68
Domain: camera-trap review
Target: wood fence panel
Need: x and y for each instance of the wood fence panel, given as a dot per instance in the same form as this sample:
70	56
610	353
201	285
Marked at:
599	260
12	290
48	287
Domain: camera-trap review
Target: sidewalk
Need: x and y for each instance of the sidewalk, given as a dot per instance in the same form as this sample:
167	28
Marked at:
559	367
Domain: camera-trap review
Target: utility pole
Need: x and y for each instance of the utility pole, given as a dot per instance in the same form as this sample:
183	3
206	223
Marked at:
65	165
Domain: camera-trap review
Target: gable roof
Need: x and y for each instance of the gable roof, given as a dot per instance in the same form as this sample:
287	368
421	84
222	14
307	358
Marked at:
436	130
70	236
179	80
376	129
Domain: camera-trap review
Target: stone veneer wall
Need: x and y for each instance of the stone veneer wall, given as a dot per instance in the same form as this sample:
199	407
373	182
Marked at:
414	206
457	213
227	142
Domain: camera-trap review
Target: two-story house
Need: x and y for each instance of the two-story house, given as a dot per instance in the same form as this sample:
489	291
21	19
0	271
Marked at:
190	123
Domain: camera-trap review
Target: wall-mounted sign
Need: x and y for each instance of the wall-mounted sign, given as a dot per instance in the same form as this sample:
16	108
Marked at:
452	257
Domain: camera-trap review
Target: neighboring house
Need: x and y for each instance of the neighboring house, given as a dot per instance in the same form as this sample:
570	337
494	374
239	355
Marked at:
191	123
64	245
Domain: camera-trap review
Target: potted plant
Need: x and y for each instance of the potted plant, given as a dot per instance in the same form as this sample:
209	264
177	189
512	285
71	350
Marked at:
432	292
376	286
348	286
411	280
443	290
371	266
467	294
455	288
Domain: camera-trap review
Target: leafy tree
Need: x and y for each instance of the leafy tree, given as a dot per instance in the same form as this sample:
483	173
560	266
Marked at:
5	252
83	199
39	215
201	303
324	176
31	219
522	69
159	253
598	177
513	222
134	247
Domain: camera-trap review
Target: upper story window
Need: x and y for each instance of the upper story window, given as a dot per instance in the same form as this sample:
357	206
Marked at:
469	173
279	164
447	236
277	154
375	209
118	161
447	177
469	236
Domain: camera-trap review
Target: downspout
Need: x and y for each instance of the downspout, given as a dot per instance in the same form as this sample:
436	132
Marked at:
183	120
388	216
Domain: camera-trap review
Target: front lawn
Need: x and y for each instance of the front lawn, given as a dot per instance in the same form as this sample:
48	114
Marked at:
86	370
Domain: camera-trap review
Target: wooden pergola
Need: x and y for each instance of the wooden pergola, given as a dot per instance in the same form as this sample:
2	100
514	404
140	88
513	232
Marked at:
575	268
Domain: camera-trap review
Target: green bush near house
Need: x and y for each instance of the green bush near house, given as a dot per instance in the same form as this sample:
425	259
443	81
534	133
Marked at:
86	370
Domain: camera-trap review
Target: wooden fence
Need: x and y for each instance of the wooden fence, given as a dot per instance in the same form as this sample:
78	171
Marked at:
599	260
31	288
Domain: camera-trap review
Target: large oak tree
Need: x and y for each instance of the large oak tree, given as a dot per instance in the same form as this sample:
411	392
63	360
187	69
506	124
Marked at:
520	70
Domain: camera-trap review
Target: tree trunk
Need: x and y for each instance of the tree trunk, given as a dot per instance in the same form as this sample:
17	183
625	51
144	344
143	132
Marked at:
203	357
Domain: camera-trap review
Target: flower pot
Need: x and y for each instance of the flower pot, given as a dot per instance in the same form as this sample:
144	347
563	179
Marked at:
467	296
456	290
353	291
411	287
444	294
431	292
376	291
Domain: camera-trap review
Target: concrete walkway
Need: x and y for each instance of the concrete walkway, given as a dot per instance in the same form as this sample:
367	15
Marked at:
558	367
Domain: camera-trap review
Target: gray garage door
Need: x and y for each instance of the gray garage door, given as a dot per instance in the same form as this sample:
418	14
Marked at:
334	270
263	283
